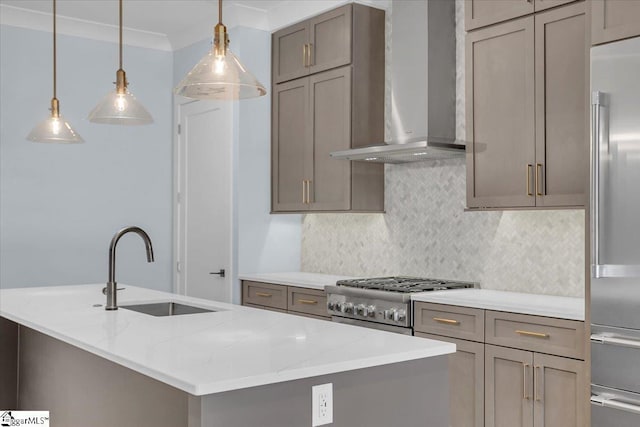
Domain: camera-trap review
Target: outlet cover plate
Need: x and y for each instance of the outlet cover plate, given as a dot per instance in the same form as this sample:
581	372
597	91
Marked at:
322	404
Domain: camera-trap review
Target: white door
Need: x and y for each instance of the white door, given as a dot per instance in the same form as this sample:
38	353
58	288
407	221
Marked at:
203	218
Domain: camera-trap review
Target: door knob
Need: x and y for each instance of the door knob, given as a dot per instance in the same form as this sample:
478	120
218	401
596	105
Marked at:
219	273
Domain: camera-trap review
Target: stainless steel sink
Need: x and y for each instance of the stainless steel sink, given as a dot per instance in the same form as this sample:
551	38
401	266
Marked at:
166	309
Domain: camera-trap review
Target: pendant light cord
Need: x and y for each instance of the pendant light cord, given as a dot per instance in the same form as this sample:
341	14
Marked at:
120	34
54	51
219	11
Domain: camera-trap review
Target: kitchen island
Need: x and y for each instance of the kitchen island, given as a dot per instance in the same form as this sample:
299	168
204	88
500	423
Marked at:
234	367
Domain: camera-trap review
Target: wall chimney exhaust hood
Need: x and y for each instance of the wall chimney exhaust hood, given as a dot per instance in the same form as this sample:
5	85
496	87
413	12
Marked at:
423	87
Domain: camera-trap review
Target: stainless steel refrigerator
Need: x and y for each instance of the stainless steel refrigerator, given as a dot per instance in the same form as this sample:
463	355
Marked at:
615	234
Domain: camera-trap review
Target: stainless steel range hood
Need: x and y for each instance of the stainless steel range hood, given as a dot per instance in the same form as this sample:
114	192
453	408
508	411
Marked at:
423	87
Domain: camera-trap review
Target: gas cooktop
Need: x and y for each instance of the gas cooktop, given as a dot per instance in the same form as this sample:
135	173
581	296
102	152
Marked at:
404	284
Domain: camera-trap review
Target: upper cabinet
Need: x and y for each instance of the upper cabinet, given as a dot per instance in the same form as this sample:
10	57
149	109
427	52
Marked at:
334	102
527	94
480	13
614	20
315	45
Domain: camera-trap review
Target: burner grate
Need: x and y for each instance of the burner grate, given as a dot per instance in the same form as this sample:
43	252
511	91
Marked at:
404	284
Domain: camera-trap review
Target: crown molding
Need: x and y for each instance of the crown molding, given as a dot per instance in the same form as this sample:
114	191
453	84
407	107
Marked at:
41	21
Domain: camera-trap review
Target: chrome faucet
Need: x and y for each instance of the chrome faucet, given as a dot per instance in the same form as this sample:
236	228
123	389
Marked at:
111	289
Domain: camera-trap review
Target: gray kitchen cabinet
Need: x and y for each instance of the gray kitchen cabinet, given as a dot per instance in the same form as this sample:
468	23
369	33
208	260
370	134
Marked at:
466	382
296	300
527	111
508	387
528	389
291	147
562	106
314	45
481	13
500	115
331	109
614	20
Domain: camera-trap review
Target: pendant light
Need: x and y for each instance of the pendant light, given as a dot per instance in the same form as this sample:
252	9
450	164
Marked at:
220	74
54	128
120	107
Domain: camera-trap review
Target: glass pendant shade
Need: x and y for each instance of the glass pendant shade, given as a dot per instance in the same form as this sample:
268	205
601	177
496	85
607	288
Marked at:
54	129
120	109
220	77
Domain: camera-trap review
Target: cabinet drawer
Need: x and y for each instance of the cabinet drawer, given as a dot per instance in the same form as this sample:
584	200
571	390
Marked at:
452	321
534	333
308	301
264	294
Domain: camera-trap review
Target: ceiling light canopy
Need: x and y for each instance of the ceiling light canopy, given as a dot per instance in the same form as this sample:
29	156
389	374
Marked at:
220	75
54	128
120	107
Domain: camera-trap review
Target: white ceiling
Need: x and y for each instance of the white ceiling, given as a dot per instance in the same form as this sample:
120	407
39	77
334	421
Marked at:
161	24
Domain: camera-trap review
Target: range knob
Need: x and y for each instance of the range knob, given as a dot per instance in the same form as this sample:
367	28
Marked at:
360	309
400	315
390	314
371	311
337	306
331	305
347	307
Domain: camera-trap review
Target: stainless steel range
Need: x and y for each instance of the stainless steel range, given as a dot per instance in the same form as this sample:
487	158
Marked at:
381	303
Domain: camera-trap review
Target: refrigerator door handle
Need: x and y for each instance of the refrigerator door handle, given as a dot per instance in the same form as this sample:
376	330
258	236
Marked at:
610	401
597	102
618	341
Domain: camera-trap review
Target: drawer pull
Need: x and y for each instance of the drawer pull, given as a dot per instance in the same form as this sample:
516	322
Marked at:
447	321
532	334
263	294
307	301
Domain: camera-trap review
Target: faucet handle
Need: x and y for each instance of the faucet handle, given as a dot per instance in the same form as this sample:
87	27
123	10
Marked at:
104	290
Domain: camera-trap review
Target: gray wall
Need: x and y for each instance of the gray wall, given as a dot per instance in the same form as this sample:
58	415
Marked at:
60	205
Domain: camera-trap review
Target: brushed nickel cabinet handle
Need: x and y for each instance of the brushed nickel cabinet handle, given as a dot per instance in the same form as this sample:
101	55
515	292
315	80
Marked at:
525	396
447	321
263	294
536	379
529	170
532	334
307	301
308	191
539	191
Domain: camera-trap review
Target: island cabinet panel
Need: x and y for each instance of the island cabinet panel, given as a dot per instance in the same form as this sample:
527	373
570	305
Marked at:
614	20
508	387
500	115
528	111
264	294
8	364
336	104
307	301
451	321
466	382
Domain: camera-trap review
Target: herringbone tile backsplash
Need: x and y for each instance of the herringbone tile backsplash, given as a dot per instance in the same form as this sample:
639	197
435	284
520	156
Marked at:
425	231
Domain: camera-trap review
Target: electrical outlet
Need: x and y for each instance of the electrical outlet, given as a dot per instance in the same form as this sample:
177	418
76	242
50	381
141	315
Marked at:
321	404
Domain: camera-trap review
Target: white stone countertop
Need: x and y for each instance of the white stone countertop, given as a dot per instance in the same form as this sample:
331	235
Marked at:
514	302
234	348
302	280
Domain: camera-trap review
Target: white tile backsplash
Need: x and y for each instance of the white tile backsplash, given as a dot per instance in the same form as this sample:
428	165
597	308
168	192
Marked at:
426	232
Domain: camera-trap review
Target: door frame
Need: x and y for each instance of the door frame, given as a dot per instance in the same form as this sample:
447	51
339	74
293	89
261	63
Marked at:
178	287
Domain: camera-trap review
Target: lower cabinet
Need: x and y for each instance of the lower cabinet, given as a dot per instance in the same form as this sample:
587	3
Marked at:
516	383
466	382
528	389
285	299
